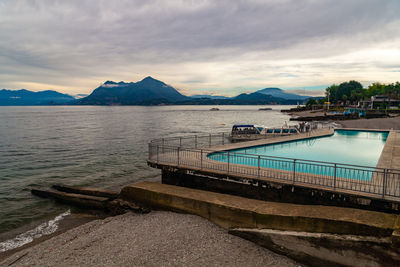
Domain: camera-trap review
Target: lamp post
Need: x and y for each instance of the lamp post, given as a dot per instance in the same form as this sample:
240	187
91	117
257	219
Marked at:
329	93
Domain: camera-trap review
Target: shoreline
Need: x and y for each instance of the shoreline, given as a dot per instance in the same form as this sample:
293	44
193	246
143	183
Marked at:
375	123
157	238
71	221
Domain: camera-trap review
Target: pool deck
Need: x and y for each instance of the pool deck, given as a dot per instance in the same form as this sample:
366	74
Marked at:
190	161
279	139
390	157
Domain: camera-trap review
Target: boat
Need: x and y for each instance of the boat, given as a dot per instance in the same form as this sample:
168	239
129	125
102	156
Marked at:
214	109
265	109
246	129
243	132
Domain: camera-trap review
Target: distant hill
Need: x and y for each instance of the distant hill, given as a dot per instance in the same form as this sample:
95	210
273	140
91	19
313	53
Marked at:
148	91
242	99
27	98
209	96
276	92
257	98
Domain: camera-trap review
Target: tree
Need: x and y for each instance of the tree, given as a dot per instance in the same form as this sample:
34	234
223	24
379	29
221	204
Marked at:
321	101
353	91
375	89
310	103
331	93
346	88
345	91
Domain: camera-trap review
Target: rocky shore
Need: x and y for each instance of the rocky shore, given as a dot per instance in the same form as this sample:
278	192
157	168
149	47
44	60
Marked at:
154	239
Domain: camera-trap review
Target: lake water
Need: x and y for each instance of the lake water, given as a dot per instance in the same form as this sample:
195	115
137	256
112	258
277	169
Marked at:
97	146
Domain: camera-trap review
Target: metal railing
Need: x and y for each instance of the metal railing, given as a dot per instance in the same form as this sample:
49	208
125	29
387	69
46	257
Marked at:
194	152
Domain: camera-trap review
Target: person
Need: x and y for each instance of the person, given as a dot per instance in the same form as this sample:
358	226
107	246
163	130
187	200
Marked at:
307	126
301	126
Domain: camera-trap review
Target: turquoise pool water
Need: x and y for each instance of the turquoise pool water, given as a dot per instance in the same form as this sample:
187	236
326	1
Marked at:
361	148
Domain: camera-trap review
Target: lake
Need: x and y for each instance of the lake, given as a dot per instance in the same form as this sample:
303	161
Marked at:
98	146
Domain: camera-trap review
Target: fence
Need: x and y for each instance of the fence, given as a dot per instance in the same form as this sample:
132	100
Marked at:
196	152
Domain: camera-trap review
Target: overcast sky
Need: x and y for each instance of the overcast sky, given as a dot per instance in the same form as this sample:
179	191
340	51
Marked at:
217	47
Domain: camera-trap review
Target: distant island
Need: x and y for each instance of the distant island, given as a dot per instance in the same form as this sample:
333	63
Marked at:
25	97
148	91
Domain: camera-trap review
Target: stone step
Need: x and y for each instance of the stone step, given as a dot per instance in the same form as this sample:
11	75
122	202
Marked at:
79	200
230	211
87	191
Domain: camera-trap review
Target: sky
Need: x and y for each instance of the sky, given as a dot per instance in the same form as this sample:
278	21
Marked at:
213	47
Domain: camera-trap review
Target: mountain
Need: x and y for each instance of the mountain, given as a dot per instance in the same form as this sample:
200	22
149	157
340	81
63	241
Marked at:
276	92
148	91
259	98
27	98
209	96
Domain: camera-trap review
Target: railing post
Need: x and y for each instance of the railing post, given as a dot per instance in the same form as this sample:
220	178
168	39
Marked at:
178	155
334	177
228	161
258	163
384	182
158	148
294	170
180	141
195	141
223	138
209	141
201	159
163	145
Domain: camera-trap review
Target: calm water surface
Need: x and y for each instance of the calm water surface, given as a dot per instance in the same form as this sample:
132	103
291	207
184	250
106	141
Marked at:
362	148
94	146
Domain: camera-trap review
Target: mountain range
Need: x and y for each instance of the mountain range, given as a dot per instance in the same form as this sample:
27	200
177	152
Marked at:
148	91
28	98
279	93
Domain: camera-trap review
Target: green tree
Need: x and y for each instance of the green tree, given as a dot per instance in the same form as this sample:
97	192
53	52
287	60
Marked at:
346	88
321	101
375	89
331	93
310	103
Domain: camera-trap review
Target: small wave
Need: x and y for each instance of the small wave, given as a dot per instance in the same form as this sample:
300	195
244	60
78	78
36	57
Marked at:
45	228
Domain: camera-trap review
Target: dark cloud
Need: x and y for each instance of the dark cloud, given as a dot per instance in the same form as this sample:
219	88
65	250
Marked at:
54	42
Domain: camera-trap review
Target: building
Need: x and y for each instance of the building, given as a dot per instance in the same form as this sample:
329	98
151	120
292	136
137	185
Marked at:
380	102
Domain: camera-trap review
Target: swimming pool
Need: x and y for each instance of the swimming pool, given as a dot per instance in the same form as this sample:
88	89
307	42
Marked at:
344	147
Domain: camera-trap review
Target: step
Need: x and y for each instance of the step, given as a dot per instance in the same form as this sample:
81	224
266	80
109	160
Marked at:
79	200
87	191
230	211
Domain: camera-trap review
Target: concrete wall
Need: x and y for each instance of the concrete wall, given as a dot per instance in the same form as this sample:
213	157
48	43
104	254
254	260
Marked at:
273	192
315	235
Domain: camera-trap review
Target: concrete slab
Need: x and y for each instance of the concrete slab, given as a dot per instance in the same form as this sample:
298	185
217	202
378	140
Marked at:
233	212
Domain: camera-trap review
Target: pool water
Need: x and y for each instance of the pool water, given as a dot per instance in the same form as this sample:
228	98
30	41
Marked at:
361	148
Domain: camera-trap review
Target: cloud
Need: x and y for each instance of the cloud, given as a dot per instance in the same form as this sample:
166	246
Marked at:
226	46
